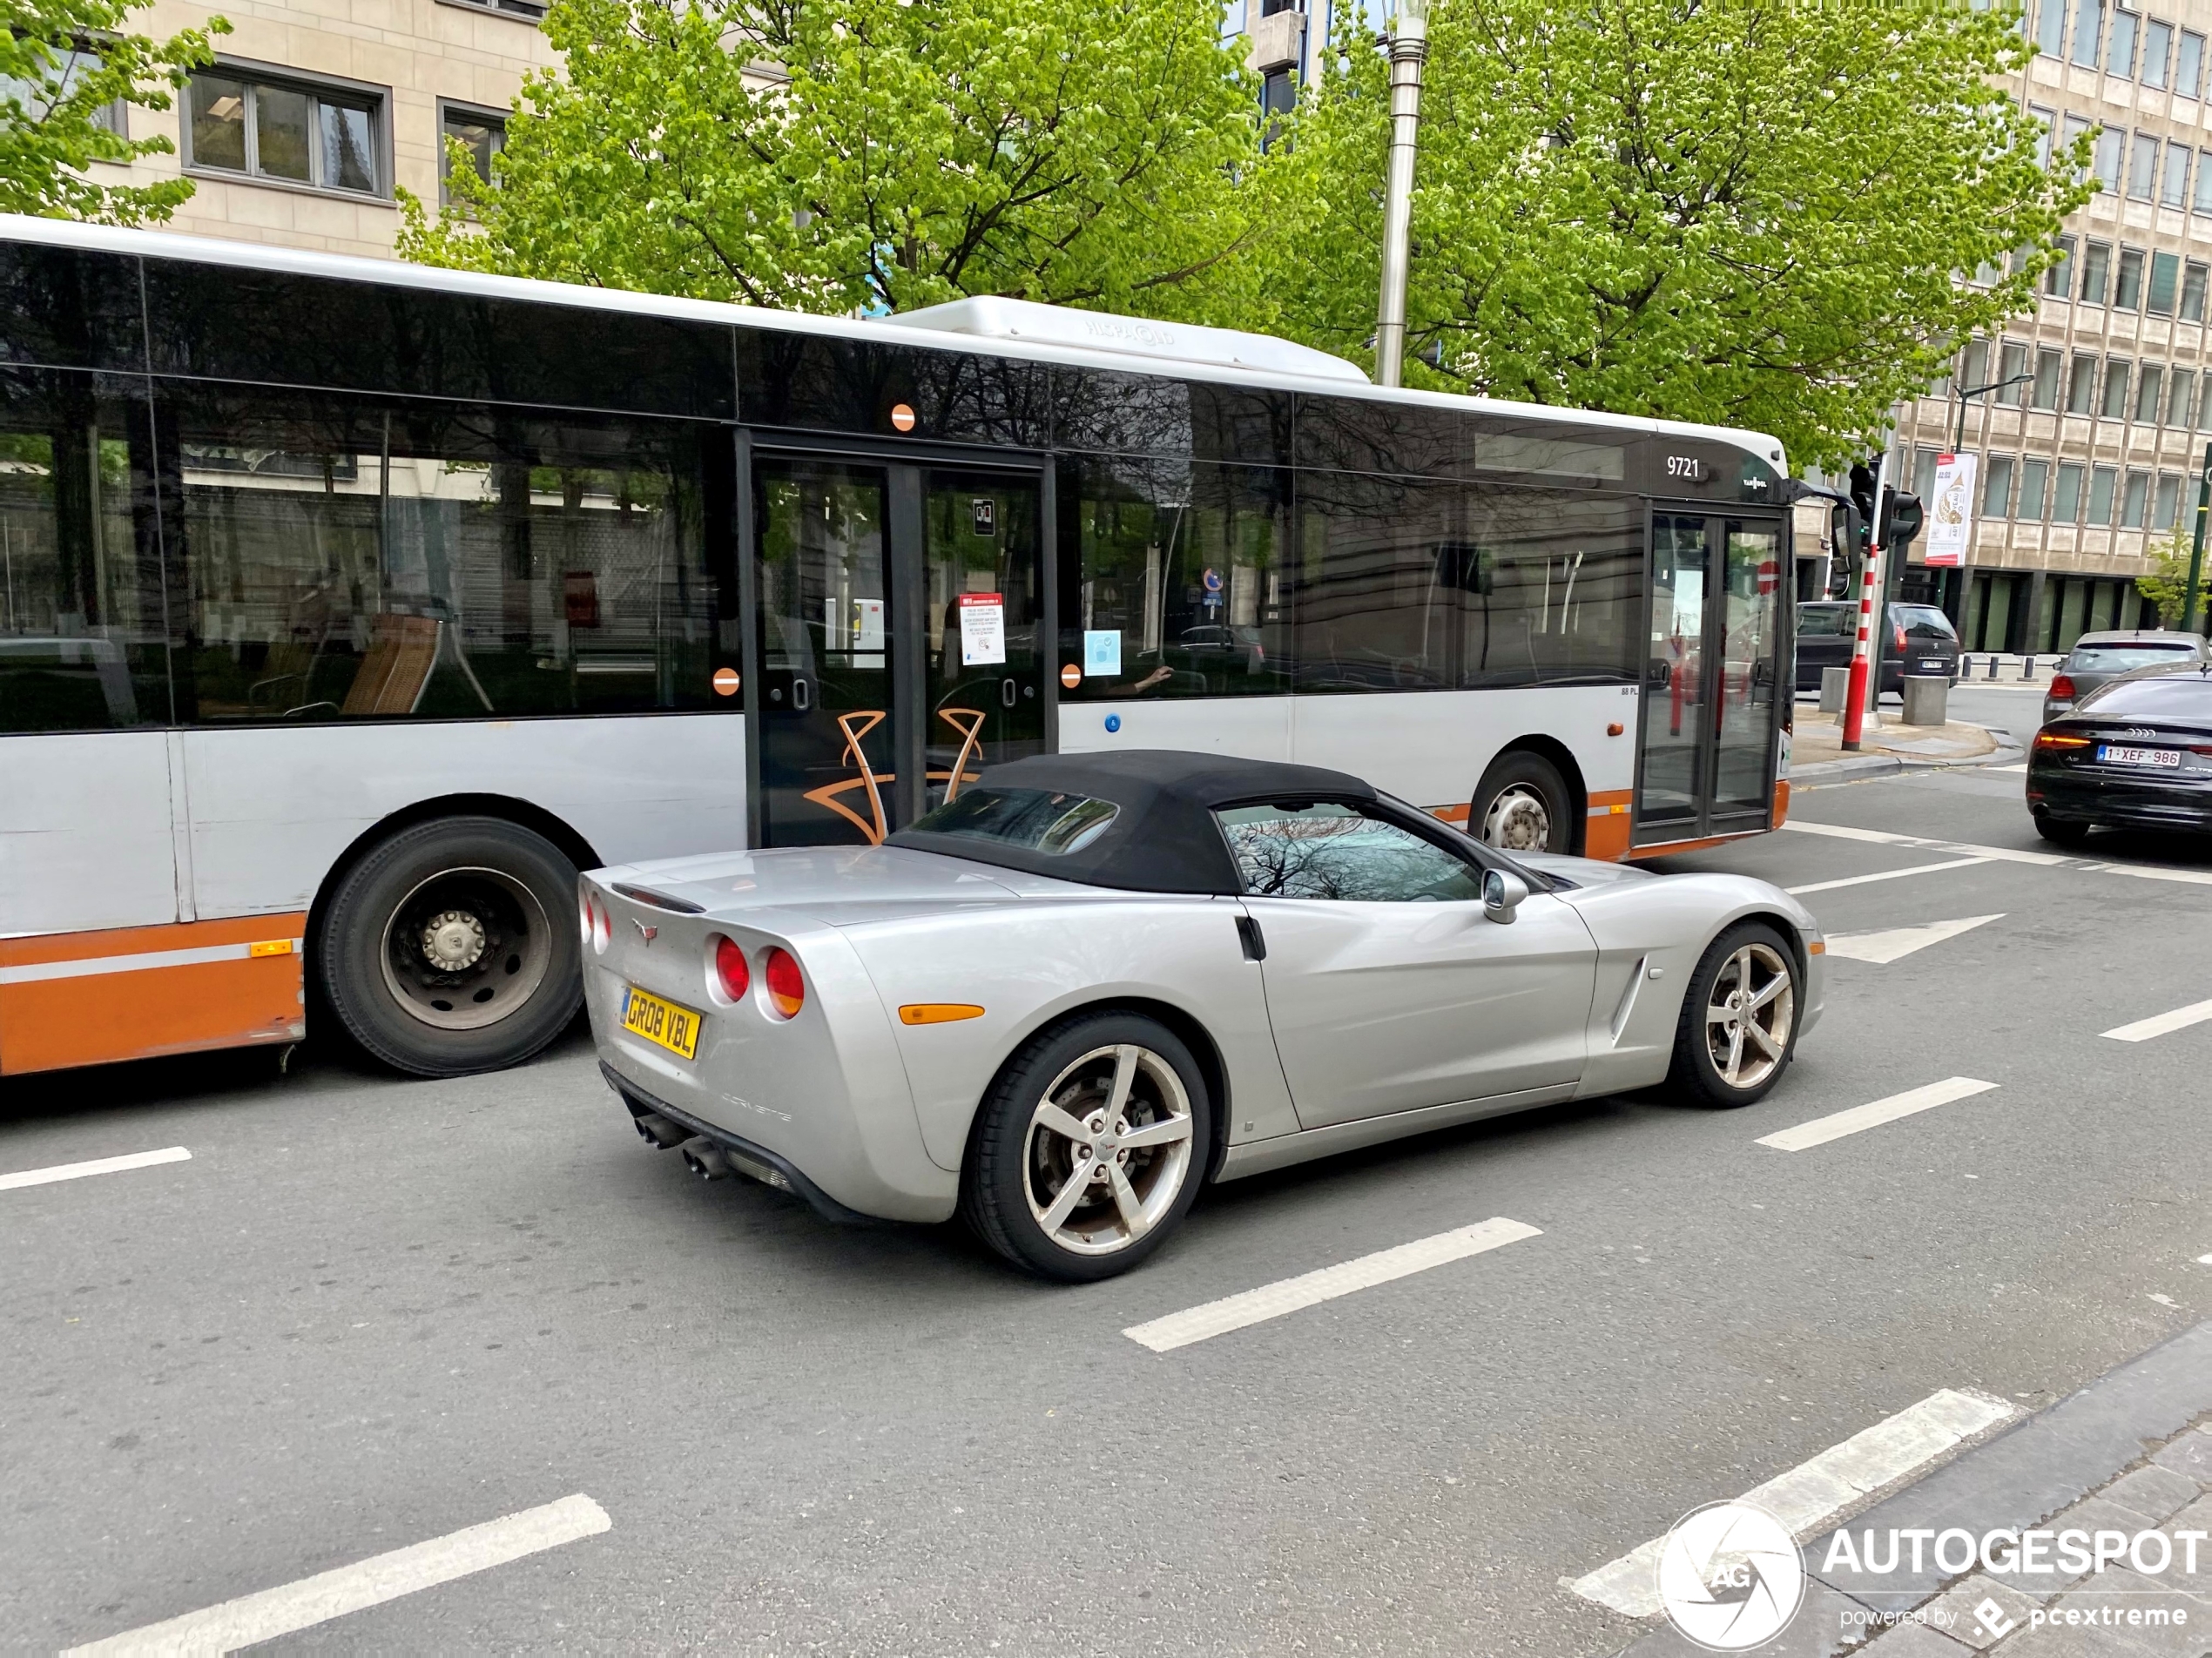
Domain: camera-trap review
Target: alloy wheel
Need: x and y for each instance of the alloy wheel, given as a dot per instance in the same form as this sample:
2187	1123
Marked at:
1749	1014
1108	1150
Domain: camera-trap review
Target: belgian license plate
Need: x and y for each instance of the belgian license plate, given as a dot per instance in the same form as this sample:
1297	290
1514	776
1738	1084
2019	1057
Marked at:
2113	754
1935	663
675	1028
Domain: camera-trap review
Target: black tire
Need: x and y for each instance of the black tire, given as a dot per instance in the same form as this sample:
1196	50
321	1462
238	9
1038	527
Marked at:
2058	831
1696	1071
499	900
1500	814
1010	1155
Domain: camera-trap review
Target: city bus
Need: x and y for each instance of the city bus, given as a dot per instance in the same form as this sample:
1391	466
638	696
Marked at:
348	609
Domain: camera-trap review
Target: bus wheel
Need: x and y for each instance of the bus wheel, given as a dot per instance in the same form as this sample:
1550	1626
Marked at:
1523	805
449	948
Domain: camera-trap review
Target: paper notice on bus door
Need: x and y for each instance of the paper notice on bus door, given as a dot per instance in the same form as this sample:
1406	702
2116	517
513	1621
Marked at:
982	628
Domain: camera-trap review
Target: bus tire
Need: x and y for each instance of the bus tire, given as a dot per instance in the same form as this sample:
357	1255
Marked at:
1523	805
450	949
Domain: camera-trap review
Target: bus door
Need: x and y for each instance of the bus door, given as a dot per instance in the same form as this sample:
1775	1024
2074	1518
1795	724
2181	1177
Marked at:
899	636
1712	676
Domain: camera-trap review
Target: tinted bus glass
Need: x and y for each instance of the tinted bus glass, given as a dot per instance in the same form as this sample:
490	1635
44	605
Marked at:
69	310
1096	409
82	642
335	557
813	382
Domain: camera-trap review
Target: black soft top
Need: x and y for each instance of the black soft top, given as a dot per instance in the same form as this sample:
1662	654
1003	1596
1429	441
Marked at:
1165	839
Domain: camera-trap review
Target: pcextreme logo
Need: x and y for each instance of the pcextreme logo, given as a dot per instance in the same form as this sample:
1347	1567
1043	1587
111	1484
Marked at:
1730	1577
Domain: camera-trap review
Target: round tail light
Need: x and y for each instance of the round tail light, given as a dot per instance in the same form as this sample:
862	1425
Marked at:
730	973
786	987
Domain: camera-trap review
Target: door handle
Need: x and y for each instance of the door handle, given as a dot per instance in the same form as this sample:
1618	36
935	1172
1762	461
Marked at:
1008	692
802	694
1249	935
1660	674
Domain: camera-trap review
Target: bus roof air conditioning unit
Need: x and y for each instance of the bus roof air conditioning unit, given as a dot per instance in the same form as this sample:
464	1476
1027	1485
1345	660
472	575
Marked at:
1031	324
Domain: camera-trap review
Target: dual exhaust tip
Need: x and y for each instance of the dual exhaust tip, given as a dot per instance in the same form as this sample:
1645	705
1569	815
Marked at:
703	1156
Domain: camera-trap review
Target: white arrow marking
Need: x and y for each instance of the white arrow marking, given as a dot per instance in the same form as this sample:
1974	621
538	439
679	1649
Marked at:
1900	941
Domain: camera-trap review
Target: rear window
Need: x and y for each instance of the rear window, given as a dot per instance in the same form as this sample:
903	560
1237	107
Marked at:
1822	620
2179	695
1924	620
1034	819
2119	658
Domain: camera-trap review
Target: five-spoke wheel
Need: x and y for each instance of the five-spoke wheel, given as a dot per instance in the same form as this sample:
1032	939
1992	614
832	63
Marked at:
1089	1148
1739	1018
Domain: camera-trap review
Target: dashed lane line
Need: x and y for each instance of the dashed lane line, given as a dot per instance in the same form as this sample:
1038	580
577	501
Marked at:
97	1166
1874	1113
1883	876
1814	1492
252	1618
1310	1288
2002	854
2160	1024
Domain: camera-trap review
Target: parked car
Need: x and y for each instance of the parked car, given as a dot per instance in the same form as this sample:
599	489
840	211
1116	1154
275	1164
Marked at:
1035	1006
1921	641
2099	657
2135	752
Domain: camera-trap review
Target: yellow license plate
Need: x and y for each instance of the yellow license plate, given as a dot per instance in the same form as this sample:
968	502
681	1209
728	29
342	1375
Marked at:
675	1028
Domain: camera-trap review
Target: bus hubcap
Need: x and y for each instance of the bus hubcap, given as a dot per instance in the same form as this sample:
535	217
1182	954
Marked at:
1518	820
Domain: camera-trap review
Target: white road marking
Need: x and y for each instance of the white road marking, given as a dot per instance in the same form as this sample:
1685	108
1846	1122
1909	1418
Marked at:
2005	854
1898	942
97	1166
1821	1130
1290	1295
2022	767
2154	872
2159	1024
1811	1494
254	1618
1885	874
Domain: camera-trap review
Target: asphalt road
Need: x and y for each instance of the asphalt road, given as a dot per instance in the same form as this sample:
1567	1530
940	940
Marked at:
367	1313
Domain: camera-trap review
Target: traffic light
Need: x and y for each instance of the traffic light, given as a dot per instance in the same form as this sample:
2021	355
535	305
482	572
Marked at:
1860	520
1901	520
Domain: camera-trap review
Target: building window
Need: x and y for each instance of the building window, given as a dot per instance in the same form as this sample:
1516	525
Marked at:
1973	370
2204	409
2034	475
2127	289
2066	499
2166	505
2189	65
2096	271
527	9
2135	501
2158	46
1997	486
1277	98
2120	56
299	134
2105	162
482	133
2142	170
2165	276
2174	190
2181	398
1923	471
2081	386
2088	32
2050	367
2193	292
2150	386
2012	363
2101	483
2114	407
2058	281
2050	26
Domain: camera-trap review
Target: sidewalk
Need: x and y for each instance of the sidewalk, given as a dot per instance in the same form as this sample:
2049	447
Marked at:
1817	753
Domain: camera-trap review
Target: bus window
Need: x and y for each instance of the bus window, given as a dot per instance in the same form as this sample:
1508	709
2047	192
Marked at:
82	646
1179	569
342	558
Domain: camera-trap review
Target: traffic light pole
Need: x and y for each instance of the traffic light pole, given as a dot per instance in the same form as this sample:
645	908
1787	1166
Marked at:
1856	699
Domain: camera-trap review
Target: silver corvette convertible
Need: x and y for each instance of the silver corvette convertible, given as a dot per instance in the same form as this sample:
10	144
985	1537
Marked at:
1064	1000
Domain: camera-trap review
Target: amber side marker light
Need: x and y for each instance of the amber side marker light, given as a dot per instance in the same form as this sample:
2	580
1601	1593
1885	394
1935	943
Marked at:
1816	948
938	1013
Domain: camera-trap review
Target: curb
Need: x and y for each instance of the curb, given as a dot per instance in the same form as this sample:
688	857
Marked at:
1857	768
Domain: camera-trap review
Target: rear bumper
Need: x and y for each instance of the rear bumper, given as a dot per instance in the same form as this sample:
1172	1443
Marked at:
2066	794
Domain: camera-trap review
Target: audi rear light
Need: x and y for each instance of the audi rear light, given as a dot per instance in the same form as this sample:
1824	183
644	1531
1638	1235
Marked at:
2059	739
732	976
2062	687
786	985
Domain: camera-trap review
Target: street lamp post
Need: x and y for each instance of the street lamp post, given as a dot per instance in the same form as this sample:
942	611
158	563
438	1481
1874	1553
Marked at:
1408	48
1958	442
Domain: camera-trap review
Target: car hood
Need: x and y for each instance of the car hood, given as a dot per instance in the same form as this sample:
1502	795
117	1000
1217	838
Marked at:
1583	872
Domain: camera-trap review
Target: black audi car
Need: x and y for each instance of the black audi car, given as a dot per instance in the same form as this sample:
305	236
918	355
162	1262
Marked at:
2136	753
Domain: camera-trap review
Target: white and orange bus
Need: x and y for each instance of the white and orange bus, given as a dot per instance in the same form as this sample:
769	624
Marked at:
348	609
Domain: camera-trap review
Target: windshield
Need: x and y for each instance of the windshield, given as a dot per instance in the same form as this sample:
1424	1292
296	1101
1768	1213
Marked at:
1924	619
1034	819
2119	658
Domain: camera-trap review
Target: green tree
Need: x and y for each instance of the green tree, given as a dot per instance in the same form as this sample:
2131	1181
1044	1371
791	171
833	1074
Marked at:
2167	583
829	155
1762	214
62	63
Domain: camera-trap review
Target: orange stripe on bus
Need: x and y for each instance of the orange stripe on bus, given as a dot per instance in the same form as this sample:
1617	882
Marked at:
98	1018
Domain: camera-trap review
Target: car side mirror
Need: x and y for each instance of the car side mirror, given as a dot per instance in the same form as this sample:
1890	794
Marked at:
1502	894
